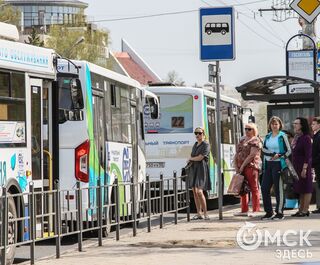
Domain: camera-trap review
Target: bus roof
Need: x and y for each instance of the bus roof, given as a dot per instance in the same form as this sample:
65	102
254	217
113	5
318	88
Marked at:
110	74
190	90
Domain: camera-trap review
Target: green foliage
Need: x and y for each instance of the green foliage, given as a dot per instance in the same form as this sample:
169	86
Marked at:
63	38
9	14
34	39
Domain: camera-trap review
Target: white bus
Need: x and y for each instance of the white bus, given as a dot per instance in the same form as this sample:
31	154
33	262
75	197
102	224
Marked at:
105	137
170	138
27	75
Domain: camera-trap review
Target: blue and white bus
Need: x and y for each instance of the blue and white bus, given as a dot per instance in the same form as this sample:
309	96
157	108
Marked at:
27	78
105	138
170	138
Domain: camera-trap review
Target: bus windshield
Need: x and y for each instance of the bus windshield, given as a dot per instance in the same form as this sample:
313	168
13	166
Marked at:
176	115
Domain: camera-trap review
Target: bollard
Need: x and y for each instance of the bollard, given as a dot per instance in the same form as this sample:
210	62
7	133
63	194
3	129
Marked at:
79	215
175	188
161	199
4	227
133	208
117	210
32	222
187	198
58	219
149	202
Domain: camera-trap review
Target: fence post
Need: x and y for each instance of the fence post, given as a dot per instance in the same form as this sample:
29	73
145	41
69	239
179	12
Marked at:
175	188
149	202
161	199
133	206
4	231
187	198
79	214
32	222
117	210
58	219
100	209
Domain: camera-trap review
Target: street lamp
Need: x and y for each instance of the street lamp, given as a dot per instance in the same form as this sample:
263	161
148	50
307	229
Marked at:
70	50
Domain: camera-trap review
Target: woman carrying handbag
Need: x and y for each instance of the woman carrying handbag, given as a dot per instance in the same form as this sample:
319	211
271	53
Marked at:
247	162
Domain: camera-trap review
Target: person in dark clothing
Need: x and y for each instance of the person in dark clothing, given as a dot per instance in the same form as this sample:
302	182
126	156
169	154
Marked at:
316	158
301	160
200	179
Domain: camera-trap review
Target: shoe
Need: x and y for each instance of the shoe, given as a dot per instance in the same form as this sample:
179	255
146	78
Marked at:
197	217
241	214
253	214
303	214
206	217
278	216
295	214
267	216
316	211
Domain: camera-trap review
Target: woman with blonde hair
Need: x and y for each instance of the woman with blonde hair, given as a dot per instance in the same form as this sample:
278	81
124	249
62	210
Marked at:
276	149
247	162
200	179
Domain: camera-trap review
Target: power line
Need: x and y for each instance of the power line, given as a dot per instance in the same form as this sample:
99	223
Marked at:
271	42
147	16
250	3
266	29
259	35
169	13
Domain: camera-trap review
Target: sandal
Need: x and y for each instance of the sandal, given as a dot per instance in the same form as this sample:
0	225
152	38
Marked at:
206	217
197	217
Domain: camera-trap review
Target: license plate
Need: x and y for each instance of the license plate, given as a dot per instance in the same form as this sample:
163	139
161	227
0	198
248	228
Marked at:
156	164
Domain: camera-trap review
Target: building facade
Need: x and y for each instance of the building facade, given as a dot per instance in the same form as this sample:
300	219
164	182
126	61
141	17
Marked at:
43	13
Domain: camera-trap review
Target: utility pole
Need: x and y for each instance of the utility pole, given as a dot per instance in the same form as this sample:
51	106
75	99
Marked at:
282	11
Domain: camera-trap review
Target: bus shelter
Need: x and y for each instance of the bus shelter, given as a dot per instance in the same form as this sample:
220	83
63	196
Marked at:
288	97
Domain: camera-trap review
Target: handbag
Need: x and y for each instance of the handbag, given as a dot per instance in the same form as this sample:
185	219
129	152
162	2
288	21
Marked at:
245	188
235	184
186	171
288	174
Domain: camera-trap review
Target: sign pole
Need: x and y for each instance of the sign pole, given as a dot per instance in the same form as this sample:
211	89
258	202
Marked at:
217	43
218	133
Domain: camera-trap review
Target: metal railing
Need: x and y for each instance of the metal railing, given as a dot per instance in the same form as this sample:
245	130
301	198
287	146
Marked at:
59	213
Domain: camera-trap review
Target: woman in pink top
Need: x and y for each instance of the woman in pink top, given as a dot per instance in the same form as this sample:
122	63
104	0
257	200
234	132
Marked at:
247	162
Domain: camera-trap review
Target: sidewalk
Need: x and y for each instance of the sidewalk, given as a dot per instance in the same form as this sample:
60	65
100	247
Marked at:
201	242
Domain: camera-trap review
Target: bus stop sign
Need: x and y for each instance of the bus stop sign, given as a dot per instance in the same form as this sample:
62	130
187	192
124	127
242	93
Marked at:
217	34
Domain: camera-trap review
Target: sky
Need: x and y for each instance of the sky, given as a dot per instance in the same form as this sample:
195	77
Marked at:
171	42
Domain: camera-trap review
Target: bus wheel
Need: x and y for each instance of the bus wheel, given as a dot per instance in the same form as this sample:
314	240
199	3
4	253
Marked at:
209	32
12	231
223	32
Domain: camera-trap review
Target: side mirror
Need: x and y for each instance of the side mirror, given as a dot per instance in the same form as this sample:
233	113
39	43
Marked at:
76	94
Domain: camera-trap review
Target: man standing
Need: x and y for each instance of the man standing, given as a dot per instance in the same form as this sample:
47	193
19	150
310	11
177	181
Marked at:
316	158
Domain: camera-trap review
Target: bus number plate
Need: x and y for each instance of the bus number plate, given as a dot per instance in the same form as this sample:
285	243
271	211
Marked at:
156	164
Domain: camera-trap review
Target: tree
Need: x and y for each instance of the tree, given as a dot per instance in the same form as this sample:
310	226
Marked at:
91	49
9	14
173	77
34	39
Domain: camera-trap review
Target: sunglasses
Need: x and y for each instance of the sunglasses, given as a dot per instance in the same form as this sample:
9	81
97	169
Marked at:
197	133
248	129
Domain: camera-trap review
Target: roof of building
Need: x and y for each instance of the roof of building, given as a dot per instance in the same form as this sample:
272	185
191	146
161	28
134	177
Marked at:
133	69
48	2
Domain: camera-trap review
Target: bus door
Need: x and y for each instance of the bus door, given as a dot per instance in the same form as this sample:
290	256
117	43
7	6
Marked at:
98	131
41	147
212	140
